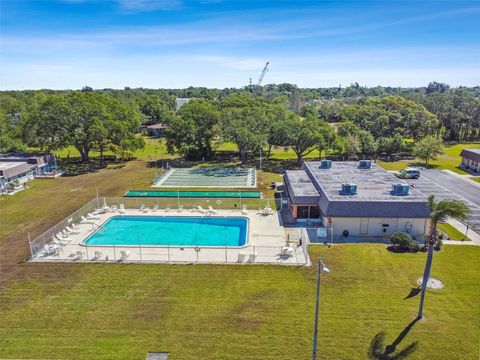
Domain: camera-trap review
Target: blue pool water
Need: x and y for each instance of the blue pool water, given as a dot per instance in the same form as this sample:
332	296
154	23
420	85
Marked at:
175	231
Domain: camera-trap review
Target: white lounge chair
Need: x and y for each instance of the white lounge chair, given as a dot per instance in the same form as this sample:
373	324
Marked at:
124	254
267	211
65	234
240	258
121	210
78	255
57	241
51	249
87	221
91	216
97	255
180	208
142	207
287	251
211	210
244	209
200	209
154	208
72	230
251	258
114	208
145	209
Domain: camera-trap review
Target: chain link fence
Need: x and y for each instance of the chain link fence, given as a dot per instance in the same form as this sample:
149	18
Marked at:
61	243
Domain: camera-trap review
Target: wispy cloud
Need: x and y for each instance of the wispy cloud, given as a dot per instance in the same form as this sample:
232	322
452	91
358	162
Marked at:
149	5
136	5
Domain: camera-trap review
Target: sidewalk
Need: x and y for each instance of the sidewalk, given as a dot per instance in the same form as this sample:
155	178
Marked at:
474	236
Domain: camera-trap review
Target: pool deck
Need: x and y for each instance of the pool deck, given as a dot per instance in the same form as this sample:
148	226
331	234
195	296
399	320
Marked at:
266	238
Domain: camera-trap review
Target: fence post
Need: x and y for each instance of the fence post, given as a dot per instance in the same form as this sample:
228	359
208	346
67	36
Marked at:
30	244
114	253
168	253
140	250
86	251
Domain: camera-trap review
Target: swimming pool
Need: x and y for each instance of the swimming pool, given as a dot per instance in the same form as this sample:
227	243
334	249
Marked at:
171	231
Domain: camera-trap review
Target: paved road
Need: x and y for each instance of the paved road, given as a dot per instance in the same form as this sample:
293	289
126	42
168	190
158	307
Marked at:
448	186
462	187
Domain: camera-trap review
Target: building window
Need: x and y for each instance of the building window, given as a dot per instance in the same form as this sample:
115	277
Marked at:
308	212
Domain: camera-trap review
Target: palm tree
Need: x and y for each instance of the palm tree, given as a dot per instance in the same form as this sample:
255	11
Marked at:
439	211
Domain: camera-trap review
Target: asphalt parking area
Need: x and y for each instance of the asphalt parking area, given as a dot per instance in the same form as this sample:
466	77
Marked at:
446	186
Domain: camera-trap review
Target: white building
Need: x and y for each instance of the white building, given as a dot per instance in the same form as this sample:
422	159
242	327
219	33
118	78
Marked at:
471	159
17	169
355	200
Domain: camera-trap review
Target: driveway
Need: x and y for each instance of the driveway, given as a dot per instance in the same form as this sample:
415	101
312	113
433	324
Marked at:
448	186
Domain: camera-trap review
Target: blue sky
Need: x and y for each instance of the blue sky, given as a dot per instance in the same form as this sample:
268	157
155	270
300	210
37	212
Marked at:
66	44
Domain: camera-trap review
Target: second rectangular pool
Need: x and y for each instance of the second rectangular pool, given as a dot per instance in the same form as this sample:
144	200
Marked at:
171	231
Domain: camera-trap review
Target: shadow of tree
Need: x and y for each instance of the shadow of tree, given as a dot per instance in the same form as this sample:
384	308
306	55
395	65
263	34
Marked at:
379	351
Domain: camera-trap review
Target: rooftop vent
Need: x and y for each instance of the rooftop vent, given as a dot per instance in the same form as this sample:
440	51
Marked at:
400	189
325	164
348	189
365	164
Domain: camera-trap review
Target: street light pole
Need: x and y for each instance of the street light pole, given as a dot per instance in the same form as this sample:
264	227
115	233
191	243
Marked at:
321	266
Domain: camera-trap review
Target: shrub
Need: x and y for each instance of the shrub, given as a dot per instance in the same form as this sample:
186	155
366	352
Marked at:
403	241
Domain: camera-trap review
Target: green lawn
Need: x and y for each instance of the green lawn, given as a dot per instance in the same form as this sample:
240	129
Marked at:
154	148
120	311
449	160
453	233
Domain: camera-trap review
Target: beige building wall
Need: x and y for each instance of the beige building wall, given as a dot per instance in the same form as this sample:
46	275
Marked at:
378	227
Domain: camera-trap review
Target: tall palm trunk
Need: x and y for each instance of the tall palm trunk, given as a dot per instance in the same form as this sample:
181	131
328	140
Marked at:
428	268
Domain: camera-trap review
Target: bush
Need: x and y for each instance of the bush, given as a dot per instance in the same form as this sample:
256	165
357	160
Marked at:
404	241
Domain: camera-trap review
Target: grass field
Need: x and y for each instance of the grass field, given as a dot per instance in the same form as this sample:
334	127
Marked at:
449	160
244	312
121	311
453	233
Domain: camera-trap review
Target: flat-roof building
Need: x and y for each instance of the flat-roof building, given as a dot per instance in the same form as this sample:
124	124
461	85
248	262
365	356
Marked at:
471	159
355	199
19	168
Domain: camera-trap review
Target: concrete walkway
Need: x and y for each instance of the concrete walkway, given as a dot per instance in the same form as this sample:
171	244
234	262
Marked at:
474	236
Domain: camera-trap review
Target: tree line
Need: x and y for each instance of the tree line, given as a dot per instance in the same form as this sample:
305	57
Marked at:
356	121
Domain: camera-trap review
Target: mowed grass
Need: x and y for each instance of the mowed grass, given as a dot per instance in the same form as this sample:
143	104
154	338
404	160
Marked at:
155	148
449	160
452	232
120	311
48	201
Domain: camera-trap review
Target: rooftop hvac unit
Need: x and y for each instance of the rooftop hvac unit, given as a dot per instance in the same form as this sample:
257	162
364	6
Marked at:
365	164
325	164
348	189
400	189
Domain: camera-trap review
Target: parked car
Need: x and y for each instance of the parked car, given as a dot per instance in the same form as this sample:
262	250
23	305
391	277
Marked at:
408	173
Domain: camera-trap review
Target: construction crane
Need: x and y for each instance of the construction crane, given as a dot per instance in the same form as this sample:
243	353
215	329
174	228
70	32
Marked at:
262	75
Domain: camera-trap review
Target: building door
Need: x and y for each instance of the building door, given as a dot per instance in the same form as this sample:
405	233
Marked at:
386	228
363	227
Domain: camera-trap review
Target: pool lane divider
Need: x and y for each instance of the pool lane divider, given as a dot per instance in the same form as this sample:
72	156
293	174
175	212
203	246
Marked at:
194	194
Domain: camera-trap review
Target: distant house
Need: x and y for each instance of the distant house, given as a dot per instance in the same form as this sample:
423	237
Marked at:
154	130
18	168
471	159
181	101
